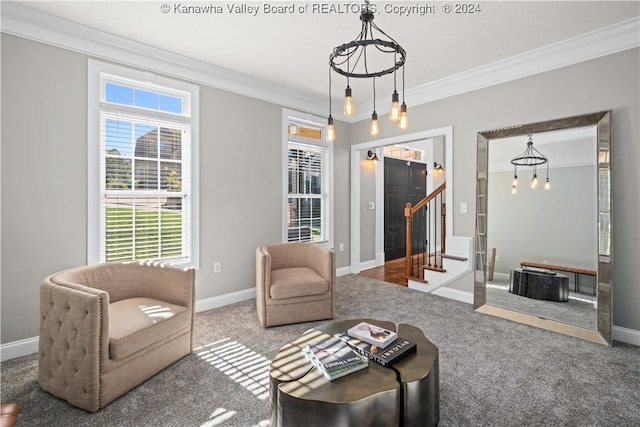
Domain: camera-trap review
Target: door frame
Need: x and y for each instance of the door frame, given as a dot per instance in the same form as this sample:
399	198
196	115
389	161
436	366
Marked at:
356	149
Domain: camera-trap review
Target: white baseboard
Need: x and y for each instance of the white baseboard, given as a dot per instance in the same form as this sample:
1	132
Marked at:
630	336
366	265
455	294
343	271
226	299
504	276
18	348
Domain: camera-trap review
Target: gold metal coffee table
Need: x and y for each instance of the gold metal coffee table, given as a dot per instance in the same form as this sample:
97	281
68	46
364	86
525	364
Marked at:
407	394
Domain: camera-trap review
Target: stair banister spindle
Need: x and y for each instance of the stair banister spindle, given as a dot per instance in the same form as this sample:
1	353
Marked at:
443	221
423	246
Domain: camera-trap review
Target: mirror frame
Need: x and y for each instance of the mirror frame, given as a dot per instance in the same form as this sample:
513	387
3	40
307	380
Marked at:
602	121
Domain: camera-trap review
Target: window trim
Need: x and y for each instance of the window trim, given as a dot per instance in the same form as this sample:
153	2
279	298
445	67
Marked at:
95	91
287	117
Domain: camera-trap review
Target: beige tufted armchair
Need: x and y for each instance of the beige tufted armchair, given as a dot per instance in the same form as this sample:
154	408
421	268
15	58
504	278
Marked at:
294	283
107	328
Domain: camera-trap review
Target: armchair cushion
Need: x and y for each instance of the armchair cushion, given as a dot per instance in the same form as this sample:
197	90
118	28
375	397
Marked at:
297	282
136	322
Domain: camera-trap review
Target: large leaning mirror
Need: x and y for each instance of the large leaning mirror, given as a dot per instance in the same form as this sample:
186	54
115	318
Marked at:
543	225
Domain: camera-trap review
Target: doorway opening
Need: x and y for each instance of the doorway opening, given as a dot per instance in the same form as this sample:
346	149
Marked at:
369	250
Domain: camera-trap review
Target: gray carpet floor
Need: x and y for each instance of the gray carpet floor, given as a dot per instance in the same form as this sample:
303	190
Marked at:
579	310
493	372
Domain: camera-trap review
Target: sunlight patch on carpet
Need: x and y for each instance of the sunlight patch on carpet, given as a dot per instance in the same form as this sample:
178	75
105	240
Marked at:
240	363
219	416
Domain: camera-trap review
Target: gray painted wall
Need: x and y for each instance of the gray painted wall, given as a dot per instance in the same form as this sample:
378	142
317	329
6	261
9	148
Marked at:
44	175
607	83
367	216
557	225
44	172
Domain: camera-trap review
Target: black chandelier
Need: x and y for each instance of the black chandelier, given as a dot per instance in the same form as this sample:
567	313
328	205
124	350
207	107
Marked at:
533	158
350	60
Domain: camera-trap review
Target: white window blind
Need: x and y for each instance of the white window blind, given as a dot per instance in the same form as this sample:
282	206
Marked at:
307	192
144	205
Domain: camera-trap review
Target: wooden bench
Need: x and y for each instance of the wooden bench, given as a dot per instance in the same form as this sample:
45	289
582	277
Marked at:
576	271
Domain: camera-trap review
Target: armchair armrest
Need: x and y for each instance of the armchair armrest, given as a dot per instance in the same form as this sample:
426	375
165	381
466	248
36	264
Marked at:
263	280
322	260
74	322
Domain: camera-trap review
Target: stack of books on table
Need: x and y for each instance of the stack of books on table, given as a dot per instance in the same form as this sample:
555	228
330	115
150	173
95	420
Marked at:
334	358
378	344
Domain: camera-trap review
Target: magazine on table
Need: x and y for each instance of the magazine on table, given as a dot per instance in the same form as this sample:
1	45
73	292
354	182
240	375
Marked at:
372	334
334	358
387	356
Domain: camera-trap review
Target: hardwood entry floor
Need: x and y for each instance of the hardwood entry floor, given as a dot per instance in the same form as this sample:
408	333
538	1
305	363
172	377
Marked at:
391	272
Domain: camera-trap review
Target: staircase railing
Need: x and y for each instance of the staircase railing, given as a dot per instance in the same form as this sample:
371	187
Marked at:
425	234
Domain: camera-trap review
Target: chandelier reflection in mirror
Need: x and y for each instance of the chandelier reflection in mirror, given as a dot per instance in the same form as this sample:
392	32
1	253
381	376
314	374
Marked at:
350	60
533	158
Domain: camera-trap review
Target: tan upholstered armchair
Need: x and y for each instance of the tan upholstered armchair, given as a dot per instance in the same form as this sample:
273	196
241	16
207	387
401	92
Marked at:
294	283
106	328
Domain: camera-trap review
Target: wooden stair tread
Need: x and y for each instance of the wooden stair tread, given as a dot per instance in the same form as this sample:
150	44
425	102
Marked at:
433	268
454	257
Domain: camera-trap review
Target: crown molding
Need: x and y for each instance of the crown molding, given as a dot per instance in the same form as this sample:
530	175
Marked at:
595	44
35	25
31	24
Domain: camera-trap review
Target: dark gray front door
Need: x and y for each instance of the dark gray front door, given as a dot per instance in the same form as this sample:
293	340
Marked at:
402	183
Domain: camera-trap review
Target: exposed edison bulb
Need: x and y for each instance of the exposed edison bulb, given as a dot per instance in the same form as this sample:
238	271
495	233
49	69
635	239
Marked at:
534	181
374	130
349	109
515	181
547	184
394	113
331	131
404	119
513	189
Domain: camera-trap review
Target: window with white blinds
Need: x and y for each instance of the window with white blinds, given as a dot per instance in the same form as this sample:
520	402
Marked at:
306	204
145	196
307	210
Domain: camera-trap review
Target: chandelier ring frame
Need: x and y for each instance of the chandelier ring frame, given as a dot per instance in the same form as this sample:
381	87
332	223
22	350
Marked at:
339	51
529	161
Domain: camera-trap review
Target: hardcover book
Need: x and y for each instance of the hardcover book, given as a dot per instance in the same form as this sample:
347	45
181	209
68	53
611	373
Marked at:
372	334
334	358
394	352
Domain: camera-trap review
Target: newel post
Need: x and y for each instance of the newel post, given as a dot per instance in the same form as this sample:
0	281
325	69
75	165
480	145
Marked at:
407	258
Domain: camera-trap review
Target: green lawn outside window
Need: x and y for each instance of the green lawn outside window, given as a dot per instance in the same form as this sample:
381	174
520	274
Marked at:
158	234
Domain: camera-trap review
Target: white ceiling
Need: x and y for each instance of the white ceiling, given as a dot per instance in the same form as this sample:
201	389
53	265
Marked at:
291	50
